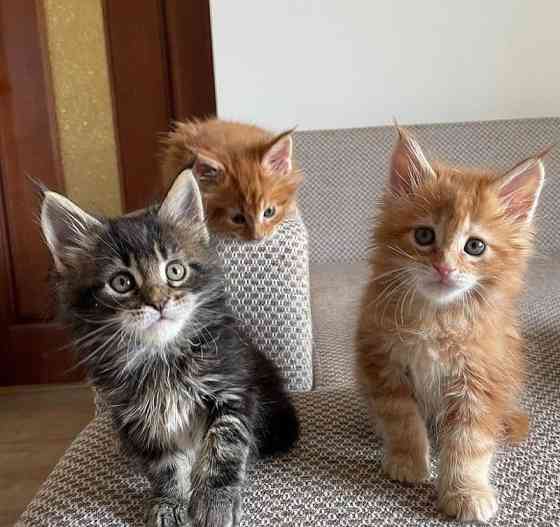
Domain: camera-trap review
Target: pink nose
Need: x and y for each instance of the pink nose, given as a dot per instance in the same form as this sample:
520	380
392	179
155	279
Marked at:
443	270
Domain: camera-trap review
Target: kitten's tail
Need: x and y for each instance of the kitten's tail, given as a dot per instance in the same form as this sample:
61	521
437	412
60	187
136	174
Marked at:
517	427
278	426
281	429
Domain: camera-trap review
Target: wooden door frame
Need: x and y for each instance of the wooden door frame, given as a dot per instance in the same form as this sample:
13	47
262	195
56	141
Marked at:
32	350
162	54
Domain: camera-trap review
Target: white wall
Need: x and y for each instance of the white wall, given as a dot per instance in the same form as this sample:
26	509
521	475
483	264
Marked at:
337	63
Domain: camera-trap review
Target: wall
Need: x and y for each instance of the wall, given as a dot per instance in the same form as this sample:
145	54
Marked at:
77	56
333	63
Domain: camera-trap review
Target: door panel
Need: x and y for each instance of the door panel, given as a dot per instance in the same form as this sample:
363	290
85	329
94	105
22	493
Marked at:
28	147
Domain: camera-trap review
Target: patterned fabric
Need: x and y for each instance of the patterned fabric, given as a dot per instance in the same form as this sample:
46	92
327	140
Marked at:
345	173
268	287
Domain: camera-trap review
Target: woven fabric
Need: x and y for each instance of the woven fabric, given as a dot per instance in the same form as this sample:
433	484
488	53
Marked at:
336	291
268	288
333	477
345	173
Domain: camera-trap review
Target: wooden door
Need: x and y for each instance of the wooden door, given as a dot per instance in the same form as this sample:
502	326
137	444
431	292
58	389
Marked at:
30	344
161	69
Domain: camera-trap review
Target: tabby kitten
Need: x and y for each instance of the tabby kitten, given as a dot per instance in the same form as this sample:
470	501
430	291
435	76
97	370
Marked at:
246	174
191	399
438	338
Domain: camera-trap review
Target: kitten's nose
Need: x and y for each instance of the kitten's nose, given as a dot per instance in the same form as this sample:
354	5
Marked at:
158	305
443	270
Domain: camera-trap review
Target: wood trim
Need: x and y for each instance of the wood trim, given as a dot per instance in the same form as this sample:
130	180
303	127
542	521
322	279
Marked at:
38	354
28	146
136	51
161	69
189	36
6	292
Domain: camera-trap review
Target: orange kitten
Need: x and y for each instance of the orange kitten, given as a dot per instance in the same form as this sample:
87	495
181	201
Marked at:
438	339
246	174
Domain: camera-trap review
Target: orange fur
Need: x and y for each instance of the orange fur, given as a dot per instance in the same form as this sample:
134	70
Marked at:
458	363
243	183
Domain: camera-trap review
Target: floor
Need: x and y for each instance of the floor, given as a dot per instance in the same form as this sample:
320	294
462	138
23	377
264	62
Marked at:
37	423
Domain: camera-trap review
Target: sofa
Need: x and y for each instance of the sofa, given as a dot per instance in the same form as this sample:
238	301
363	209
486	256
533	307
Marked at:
333	476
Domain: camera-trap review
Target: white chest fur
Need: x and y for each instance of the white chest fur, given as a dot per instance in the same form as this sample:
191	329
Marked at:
421	360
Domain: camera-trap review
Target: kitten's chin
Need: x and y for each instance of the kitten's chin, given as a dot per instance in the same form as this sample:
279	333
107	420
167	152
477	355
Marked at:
162	332
441	294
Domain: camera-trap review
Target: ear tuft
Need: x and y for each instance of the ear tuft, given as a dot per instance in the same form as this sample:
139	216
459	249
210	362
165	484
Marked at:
66	227
409	165
277	159
520	187
183	202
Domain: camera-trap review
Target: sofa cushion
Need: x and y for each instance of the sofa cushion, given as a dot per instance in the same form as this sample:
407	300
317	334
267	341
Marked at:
332	478
336	291
268	288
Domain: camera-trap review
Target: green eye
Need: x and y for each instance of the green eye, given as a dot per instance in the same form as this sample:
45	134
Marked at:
475	246
175	271
122	282
424	236
269	212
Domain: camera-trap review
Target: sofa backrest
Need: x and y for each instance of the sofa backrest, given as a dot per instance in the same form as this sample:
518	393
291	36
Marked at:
345	171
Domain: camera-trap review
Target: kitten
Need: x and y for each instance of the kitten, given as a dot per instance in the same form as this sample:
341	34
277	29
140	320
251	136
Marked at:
192	400
246	174
438	339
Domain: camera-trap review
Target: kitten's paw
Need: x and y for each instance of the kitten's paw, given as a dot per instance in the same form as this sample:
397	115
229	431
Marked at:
215	507
407	467
167	512
469	504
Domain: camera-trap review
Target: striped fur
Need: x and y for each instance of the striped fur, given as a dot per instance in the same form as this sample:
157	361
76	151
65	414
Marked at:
192	400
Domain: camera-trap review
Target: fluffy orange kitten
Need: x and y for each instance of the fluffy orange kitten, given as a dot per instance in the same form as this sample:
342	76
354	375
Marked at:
246	174
438	340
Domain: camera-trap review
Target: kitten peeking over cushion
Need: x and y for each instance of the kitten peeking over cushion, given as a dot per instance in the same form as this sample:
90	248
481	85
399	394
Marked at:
191	399
246	174
438	338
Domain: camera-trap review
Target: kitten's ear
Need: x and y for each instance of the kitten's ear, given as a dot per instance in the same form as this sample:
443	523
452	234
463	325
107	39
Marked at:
409	166
183	202
277	158
520	187
66	227
206	167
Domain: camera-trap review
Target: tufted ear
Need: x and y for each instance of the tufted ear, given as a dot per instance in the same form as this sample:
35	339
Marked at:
66	227
520	187
183	202
277	158
409	166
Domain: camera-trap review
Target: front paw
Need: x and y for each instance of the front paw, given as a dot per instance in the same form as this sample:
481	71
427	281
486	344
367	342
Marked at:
407	467
475	504
167	512
215	507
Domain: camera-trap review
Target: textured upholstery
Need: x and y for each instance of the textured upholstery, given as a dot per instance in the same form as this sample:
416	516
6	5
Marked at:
333	477
345	171
268	287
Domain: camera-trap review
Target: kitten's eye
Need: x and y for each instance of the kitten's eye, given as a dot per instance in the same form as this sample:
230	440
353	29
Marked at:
238	219
475	246
424	236
122	282
269	212
175	271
